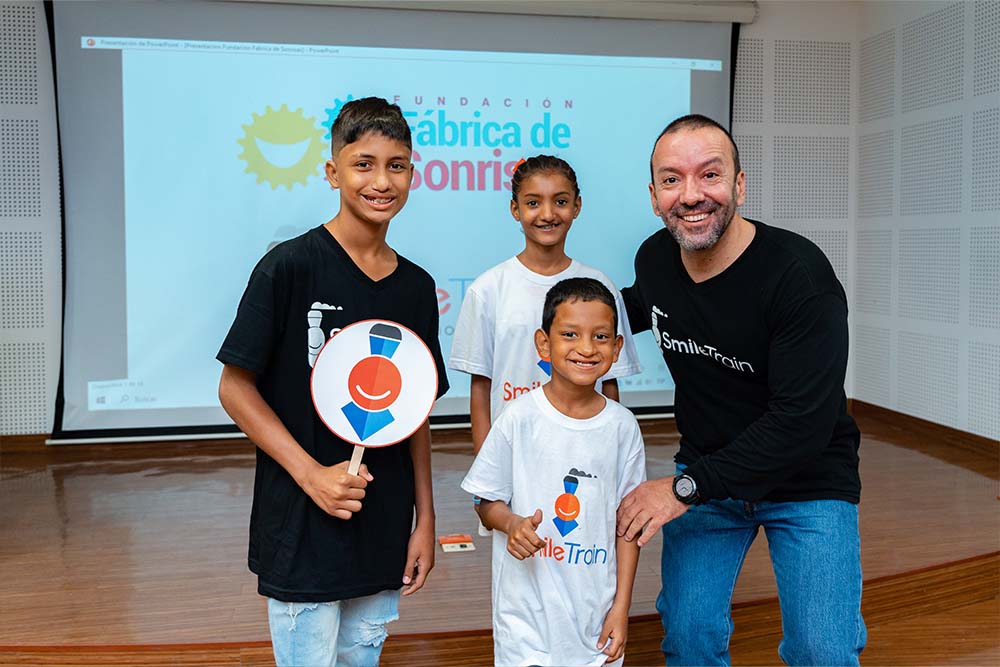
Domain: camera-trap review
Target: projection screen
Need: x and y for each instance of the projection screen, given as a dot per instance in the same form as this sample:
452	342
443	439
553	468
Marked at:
193	137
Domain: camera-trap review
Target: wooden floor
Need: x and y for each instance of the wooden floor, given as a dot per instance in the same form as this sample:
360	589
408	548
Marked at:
135	554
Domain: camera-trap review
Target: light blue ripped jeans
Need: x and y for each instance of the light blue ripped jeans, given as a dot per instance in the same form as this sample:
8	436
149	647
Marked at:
346	632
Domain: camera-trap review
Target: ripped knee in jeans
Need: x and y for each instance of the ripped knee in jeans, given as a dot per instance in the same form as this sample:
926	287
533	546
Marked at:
372	632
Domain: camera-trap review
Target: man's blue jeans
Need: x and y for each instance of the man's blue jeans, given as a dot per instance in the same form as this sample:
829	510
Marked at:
816	554
347	632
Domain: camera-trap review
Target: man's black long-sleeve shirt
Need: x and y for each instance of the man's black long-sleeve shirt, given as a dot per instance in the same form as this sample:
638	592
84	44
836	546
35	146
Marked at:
758	354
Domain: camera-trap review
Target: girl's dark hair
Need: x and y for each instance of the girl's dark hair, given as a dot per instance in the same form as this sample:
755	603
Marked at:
541	164
576	289
369	114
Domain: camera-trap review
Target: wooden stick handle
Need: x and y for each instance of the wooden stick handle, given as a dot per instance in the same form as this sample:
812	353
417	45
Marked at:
355	464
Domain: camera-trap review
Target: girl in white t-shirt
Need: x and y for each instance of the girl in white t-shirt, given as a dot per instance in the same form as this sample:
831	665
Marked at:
502	309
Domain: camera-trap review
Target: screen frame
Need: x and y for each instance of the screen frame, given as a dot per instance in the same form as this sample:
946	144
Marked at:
193	431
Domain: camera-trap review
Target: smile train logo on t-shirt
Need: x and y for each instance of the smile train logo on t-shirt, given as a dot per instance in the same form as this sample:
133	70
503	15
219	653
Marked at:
568	505
667	343
567	517
315	334
512	391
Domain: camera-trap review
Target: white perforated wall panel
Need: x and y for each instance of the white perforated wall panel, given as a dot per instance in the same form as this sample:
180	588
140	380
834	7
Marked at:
873	291
748	91
22	298
833	243
877	95
984	389
812	82
984	279
30	263
794	121
24	404
927	377
933	52
810	174
931	167
929	271
872	368
985	171
752	161
876	174
18	53
20	173
986	56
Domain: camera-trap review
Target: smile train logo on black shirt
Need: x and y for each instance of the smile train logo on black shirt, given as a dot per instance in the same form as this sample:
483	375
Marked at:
667	343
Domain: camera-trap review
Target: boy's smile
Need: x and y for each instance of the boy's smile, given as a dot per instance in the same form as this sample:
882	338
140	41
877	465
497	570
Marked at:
582	343
373	175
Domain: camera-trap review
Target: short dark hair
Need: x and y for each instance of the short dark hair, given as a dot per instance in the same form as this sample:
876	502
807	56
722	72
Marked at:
368	114
694	121
576	289
541	164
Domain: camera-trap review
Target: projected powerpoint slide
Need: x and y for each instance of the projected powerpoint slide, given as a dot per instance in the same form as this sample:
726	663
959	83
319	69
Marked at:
225	145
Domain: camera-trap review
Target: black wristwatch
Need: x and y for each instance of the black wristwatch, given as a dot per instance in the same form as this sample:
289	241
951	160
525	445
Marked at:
686	490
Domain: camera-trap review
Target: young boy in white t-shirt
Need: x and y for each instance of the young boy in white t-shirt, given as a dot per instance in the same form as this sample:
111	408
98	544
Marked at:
550	476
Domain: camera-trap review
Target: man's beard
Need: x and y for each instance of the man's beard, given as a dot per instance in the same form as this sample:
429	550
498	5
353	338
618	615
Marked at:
703	241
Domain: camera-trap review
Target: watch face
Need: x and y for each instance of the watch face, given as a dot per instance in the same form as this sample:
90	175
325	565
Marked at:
684	487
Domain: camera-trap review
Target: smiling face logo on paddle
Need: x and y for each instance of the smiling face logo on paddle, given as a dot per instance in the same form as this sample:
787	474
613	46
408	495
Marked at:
374	383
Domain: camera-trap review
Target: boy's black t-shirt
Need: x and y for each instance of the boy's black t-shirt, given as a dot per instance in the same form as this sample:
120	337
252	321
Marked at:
758	354
300	553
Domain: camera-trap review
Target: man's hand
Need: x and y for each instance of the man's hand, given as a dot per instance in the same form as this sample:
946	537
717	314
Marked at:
522	540
615	628
336	491
419	559
647	508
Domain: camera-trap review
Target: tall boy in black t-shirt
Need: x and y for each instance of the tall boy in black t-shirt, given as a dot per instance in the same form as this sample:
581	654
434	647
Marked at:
331	550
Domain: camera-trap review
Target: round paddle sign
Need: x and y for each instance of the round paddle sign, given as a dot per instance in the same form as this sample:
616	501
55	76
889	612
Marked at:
373	384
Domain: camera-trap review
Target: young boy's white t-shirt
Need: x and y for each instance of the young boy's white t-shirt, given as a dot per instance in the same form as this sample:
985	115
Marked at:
549	609
495	333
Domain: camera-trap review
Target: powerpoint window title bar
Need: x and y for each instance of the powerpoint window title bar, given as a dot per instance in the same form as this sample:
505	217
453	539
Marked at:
258	48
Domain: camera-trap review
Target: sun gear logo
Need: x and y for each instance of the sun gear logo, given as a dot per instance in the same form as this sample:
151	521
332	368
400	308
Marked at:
282	147
331	114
